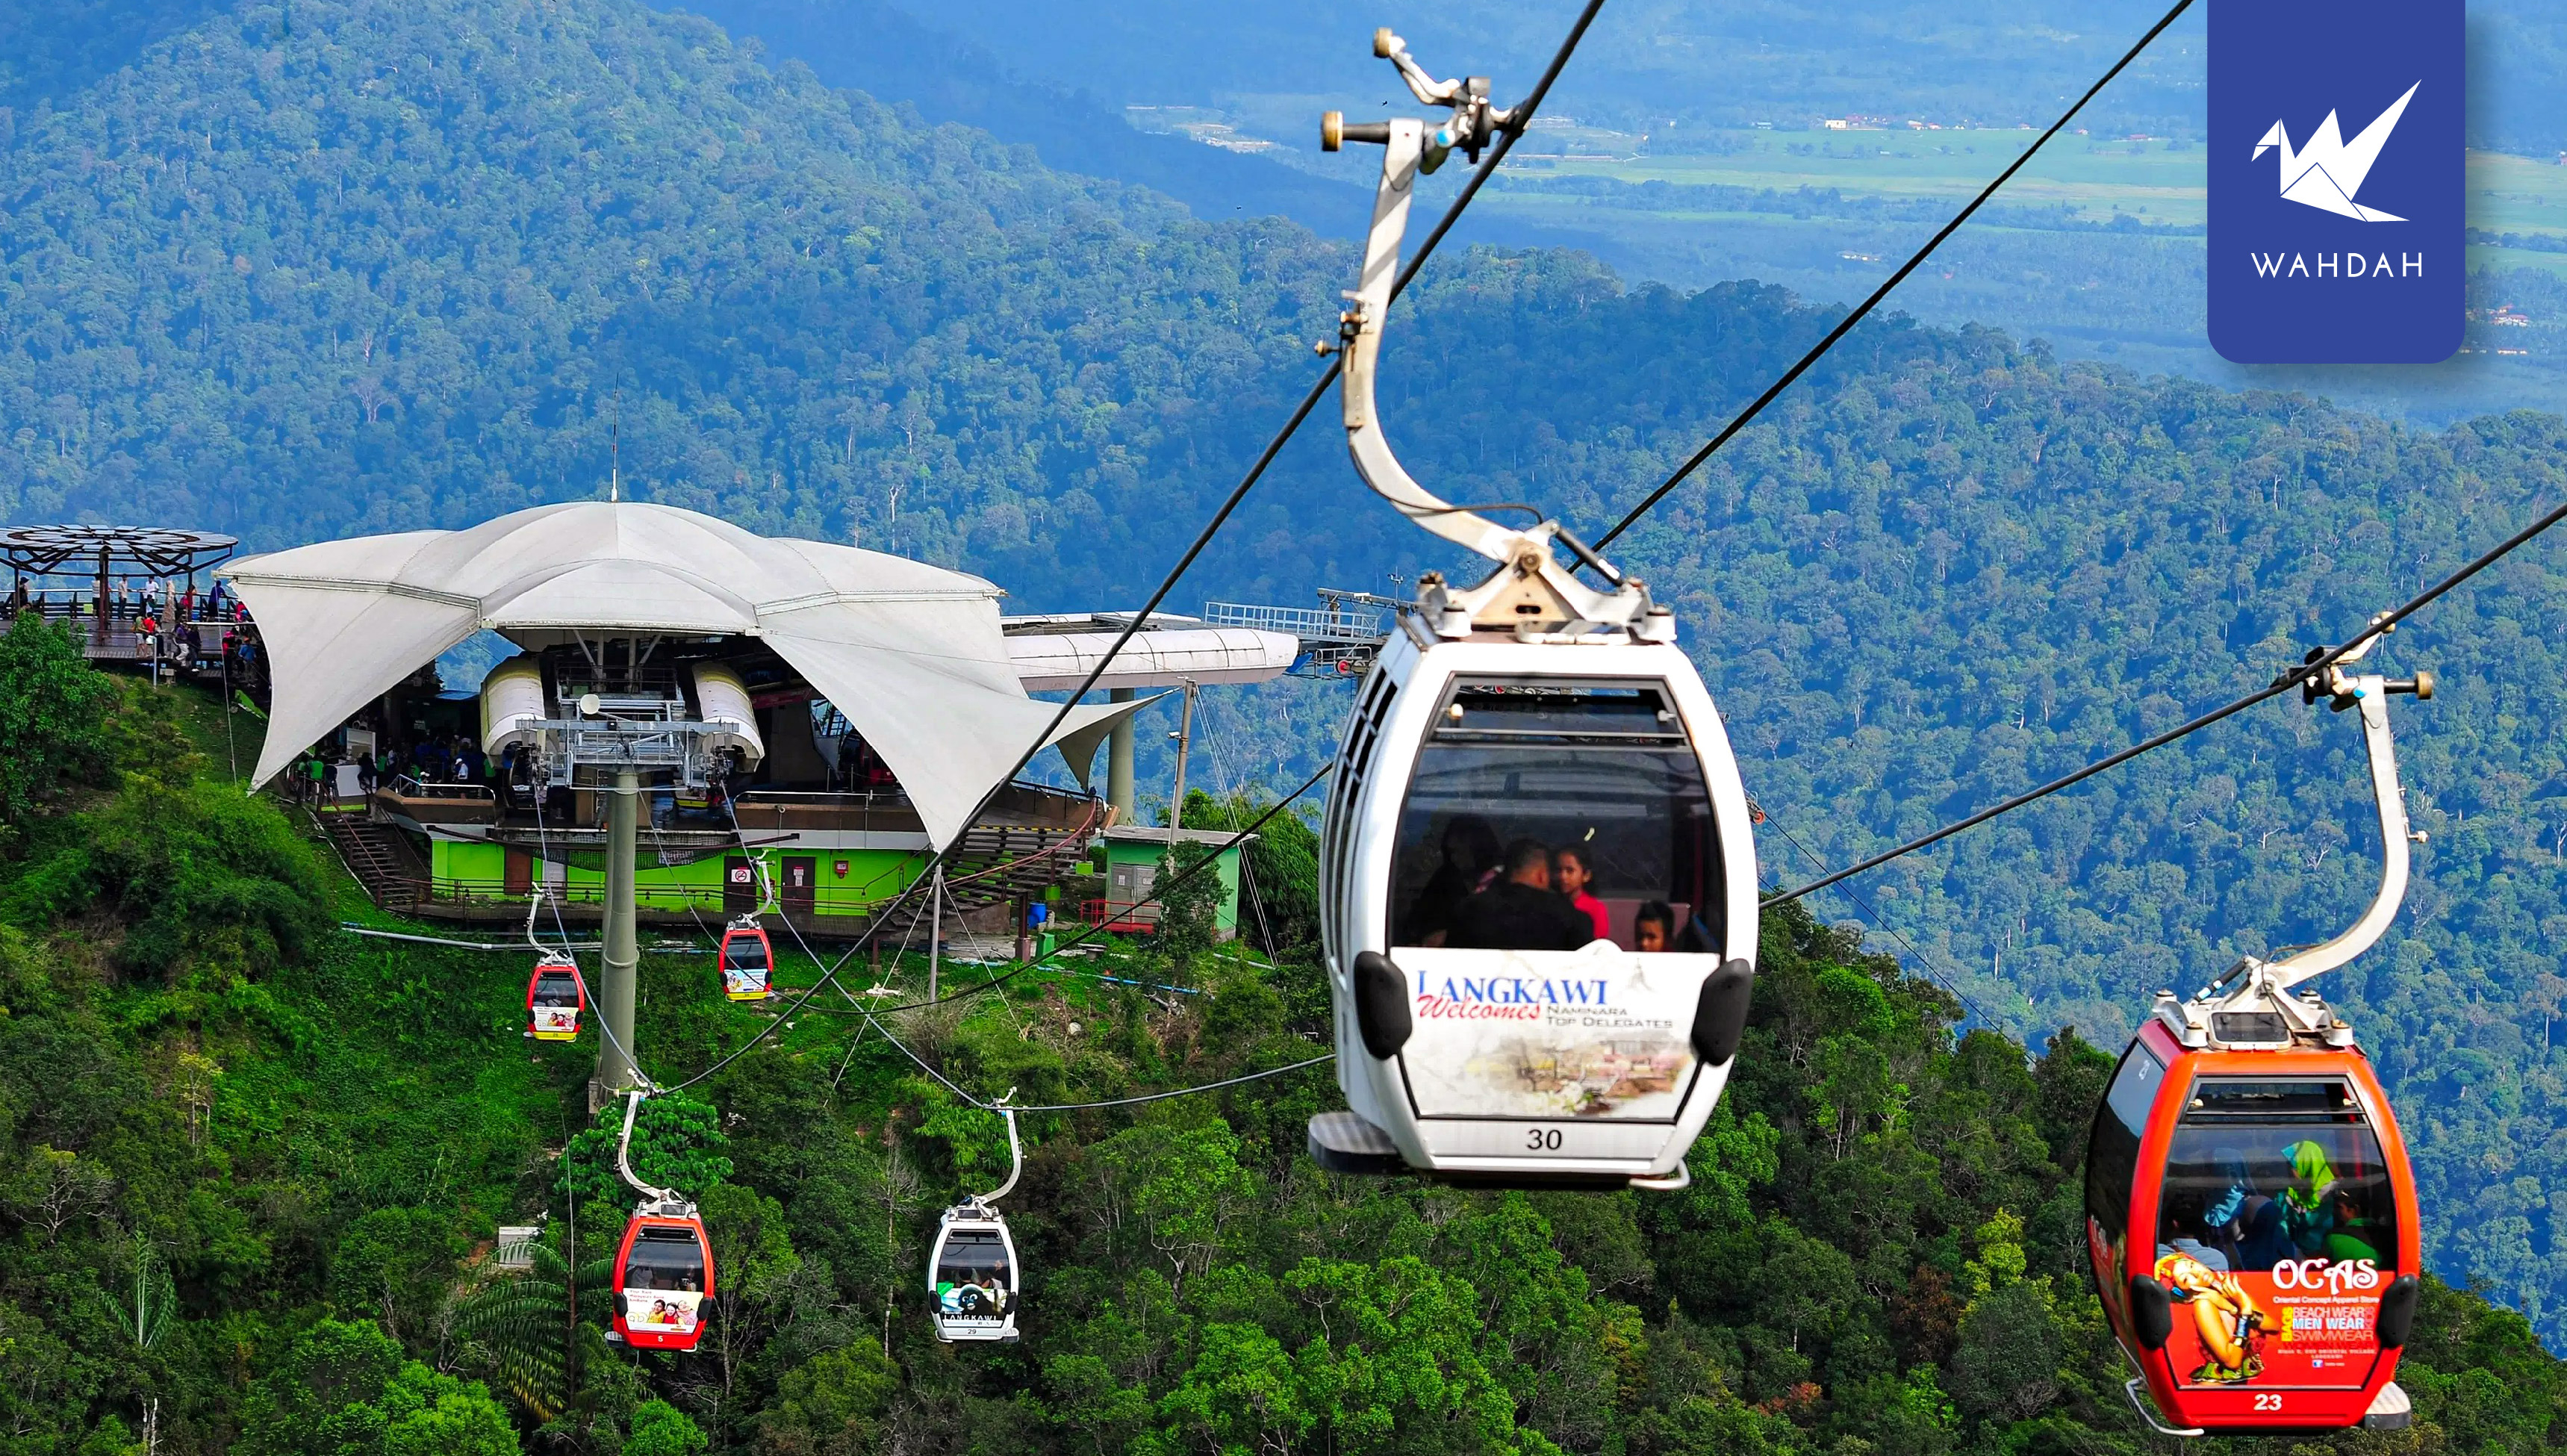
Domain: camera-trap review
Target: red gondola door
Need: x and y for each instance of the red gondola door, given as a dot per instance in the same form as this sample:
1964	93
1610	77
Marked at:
664	1278
2253	1230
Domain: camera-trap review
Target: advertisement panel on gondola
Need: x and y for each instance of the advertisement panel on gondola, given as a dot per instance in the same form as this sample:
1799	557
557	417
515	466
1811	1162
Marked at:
1593	1033
2304	1322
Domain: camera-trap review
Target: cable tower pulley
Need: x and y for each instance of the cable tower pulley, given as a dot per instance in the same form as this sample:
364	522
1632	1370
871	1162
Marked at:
1538	885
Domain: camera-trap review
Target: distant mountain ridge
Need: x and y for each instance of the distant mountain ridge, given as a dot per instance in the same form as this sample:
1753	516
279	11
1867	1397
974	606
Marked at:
356	266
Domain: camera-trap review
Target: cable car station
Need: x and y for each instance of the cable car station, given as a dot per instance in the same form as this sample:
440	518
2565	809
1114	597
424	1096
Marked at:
806	725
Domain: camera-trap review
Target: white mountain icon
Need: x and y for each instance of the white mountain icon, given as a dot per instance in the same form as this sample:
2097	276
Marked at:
2330	172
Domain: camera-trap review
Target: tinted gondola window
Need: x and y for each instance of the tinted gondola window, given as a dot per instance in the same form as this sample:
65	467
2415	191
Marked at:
2267	1170
745	952
2112	1150
972	1274
664	1281
666	1259
1544	816
556	989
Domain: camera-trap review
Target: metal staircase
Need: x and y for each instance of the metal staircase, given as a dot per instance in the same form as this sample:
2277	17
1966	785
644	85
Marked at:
379	858
998	862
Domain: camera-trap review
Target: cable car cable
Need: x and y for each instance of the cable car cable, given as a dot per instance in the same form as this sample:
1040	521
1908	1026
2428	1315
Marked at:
1945	980
1000	1105
1863	309
1521	117
829	972
2317	664
1273	1071
1523	114
830	975
1205	865
872	1022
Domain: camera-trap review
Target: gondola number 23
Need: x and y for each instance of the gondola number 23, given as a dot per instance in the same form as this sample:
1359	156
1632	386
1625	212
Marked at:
2268	1403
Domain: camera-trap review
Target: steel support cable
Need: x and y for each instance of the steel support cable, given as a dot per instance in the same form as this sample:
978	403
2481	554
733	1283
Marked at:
1521	117
871	1020
1879	923
2279	686
829	974
1860	310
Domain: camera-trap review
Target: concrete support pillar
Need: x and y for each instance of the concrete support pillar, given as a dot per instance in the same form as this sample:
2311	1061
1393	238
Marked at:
1118	762
622	956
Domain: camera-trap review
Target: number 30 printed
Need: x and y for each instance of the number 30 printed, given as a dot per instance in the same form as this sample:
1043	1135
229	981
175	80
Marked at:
1543	1139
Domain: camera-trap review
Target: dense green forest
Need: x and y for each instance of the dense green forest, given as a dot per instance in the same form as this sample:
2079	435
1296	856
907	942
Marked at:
251	1168
302	272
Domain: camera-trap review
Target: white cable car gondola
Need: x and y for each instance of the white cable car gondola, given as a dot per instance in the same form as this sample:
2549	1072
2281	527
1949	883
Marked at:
1512	736
972	1273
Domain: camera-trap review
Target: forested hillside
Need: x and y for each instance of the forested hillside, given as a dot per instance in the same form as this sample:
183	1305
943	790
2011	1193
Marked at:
351	266
355	266
251	1168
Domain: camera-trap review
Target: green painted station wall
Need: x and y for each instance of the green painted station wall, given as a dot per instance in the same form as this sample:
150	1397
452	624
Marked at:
469	868
1126	852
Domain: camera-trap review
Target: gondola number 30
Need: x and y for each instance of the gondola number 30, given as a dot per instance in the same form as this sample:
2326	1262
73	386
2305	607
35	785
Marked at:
1543	1139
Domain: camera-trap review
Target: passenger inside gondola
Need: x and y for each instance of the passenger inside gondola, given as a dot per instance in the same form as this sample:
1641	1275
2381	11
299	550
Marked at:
1470	863
971	1275
663	1280
1572	878
1520	912
1546	818
1654	928
2260	1172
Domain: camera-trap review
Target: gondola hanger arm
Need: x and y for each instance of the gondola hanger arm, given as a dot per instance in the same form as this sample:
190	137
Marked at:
2255	1001
1015	1153
2368	694
624	1155
1405	143
1530	582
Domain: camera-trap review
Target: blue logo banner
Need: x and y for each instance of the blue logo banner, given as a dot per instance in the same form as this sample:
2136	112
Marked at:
2337	181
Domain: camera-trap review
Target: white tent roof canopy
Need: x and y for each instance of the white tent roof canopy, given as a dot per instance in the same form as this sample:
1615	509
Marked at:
912	654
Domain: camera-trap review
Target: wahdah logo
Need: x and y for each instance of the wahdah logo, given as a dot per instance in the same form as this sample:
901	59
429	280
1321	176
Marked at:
2325	249
1506	998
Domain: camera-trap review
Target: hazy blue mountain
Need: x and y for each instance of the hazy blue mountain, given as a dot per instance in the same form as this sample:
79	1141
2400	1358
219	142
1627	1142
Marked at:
358	267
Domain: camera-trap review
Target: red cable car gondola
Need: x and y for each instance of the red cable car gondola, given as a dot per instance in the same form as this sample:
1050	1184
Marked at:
2250	1216
663	1271
555	996
747	959
664	1277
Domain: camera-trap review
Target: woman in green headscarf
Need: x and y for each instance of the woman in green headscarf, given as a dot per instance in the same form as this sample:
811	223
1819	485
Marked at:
2320	1219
